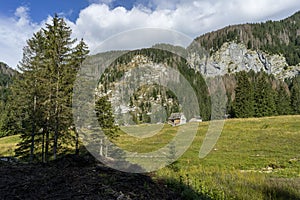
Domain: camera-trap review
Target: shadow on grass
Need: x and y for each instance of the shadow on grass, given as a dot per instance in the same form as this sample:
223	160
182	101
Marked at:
282	189
79	177
185	191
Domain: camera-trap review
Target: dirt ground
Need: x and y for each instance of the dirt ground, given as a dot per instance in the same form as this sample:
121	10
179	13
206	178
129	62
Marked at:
74	177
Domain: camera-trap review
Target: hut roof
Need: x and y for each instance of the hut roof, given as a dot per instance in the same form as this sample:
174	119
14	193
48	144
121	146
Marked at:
175	116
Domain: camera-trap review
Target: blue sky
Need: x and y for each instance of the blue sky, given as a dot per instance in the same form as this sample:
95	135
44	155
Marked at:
39	9
97	20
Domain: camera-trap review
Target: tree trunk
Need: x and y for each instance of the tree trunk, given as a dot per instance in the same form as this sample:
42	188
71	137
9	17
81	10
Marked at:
106	150
32	143
43	147
56	115
101	147
55	143
76	141
47	147
33	130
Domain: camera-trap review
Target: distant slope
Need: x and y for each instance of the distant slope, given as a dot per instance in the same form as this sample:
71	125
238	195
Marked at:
6	79
146	98
276	37
273	47
6	74
5	69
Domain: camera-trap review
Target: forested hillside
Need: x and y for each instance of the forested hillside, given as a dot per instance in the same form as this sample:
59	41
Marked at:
6	79
275	37
153	95
253	94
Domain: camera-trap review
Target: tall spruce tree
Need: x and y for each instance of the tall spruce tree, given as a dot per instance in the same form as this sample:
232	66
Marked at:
243	103
59	54
283	101
105	116
264	97
295	95
78	56
28	95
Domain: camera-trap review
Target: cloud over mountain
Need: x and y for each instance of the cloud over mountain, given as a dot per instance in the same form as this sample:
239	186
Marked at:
100	21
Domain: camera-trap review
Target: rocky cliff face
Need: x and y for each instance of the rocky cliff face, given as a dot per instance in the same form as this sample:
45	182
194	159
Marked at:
137	94
273	46
233	57
4	69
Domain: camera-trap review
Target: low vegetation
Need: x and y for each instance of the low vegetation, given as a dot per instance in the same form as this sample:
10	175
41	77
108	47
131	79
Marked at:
256	158
8	145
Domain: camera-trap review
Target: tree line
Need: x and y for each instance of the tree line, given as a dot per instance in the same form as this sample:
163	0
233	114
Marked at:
275	37
260	95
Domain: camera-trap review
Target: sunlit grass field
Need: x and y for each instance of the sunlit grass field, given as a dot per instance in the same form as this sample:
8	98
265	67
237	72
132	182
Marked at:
8	145
244	144
256	158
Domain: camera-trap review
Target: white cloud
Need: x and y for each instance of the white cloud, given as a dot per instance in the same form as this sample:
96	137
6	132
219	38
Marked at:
98	21
13	35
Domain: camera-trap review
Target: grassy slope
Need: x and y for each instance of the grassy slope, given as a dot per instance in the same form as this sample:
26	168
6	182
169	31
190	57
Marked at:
8	144
236	168
245	144
253	144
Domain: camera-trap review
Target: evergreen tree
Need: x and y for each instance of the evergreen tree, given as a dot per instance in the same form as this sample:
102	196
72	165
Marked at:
44	93
105	116
243	105
28	95
59	55
78	56
295	95
283	101
6	114
264	97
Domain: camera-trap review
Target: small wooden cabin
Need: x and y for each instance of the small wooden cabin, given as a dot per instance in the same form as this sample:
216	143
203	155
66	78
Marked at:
177	119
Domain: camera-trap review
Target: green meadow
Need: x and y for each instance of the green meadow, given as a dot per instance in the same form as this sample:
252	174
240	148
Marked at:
255	158
8	145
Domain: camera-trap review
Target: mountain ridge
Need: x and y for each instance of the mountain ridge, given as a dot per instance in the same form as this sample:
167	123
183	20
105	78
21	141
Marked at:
272	46
5	69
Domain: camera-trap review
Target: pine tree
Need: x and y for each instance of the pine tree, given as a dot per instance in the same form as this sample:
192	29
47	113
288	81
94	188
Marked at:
105	116
28	95
59	53
283	101
78	56
243	103
264	97
295	95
